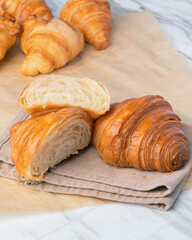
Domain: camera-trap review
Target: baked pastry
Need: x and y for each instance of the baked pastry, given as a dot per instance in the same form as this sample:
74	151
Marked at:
42	142
48	44
50	93
143	133
92	17
8	31
20	10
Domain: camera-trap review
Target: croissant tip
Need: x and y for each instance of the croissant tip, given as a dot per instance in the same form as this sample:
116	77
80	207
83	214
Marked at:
102	45
28	70
102	41
180	159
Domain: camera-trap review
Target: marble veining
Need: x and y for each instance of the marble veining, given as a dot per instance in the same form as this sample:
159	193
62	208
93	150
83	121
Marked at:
118	221
113	221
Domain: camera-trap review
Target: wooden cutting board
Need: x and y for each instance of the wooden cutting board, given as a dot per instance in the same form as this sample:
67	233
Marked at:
140	60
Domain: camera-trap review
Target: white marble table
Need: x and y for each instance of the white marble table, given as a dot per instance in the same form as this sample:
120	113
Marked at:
118	221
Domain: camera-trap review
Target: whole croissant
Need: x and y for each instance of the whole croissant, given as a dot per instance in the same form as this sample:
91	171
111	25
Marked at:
42	142
143	133
20	10
92	17
48	44
8	31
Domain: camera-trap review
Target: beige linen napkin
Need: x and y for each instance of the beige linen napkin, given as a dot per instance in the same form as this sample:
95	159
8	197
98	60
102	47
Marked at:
140	60
86	174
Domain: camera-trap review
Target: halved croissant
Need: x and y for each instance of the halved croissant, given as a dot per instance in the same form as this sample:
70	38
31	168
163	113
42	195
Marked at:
22	9
8	31
42	142
92	17
50	93
143	133
48	44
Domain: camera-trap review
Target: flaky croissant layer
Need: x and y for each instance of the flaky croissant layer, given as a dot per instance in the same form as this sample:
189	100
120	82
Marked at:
143	133
42	142
92	17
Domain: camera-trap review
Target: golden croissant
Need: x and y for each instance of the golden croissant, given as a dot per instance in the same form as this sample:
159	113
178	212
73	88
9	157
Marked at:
92	17
8	31
48	45
50	93
143	133
20	10
42	142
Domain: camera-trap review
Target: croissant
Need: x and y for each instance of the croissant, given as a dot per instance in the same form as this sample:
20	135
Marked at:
48	45
8	31
92	17
42	142
143	133
20	10
50	93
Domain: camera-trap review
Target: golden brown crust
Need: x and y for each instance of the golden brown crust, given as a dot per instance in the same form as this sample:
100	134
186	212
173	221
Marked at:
8	31
48	44
39	110
27	136
92	17
143	133
10	26
21	10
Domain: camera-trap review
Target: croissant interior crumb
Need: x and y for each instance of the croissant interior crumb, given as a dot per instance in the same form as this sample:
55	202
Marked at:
58	91
60	146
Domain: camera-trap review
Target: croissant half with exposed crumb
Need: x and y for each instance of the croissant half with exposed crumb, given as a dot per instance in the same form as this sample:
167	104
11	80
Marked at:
92	17
21	10
8	31
42	142
143	133
50	93
48	44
